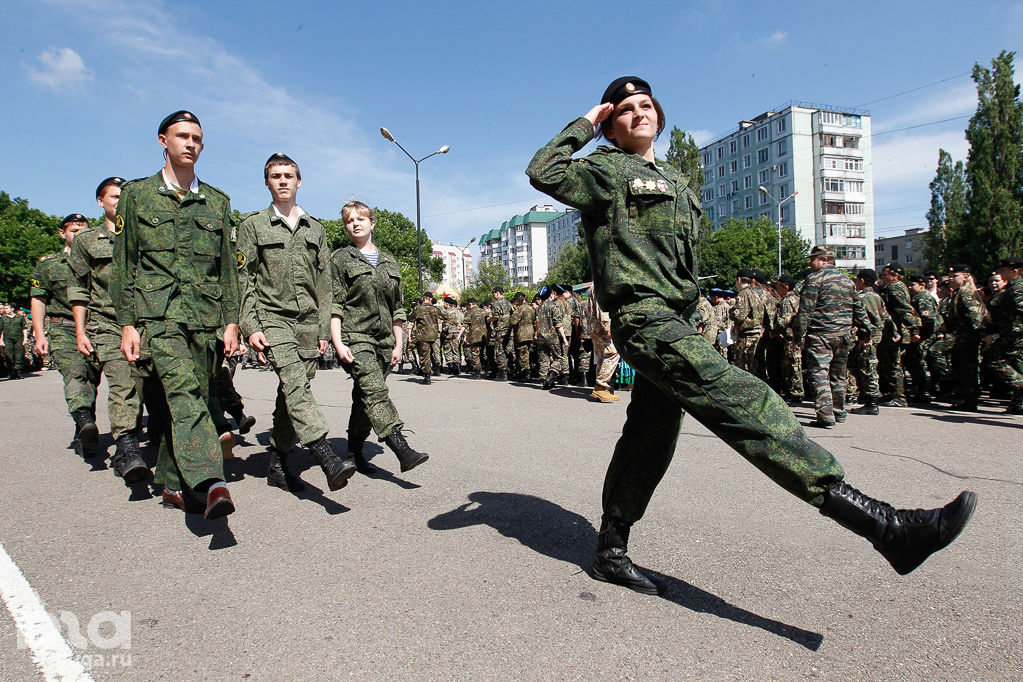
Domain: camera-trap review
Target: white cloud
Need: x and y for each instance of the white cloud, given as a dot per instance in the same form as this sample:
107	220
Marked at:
62	68
911	160
775	39
957	100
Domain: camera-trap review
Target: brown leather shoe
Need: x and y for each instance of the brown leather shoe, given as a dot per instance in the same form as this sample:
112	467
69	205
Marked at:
173	499
218	503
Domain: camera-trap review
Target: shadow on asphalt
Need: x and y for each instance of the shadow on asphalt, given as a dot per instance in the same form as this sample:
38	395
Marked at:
553	531
218	531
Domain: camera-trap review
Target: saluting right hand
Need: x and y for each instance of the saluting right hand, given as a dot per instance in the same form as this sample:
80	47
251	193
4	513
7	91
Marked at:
597	114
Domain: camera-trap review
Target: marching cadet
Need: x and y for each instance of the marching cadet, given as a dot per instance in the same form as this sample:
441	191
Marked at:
502	311
705	321
966	317
487	357
721	308
523	322
50	303
792	354
452	335
747	317
174	284
901	327
1006	327
426	319
550	336
915	358
475	323
762	286
366	329
91	261
639	222
14	333
863	358
285	315
605	355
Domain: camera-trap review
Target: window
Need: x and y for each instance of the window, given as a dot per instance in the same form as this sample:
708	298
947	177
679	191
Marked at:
832	185
854	209
854	231
909	259
721	191
710	214
731	147
745	141
708	177
878	247
854	164
783	190
747	161
785	213
721	152
707	158
834	208
735	185
766	214
721	171
764	176
783	169
781	125
853	121
851	142
722	210
764	198
831	117
735	205
763	155
749	202
851	252
733	166
762	133
830	141
909	244
853	185
708	195
783	147
747	182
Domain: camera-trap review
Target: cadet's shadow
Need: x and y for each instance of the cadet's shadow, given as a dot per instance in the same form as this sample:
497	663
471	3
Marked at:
370	451
572	392
220	533
980	420
553	531
255	466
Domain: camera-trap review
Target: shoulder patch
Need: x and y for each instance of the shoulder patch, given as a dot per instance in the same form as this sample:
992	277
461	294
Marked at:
241	260
118	224
35	283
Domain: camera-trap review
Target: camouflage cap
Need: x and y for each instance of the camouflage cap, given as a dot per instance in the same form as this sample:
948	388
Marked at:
822	251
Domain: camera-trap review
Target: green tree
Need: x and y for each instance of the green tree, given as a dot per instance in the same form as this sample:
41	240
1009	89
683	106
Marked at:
571	267
993	227
948	210
488	274
26	234
395	234
739	244
684	155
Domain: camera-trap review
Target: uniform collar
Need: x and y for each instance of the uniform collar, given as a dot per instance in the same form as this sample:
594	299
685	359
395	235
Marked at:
194	187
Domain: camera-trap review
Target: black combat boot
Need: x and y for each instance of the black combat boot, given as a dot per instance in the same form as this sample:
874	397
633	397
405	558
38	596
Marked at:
361	463
612	564
551	381
407	457
869	407
456	370
502	376
277	472
127	459
245	423
436	370
905	537
88	432
76	444
426	379
337	470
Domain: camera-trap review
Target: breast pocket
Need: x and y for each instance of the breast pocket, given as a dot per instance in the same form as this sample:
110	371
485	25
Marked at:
314	255
103	250
156	230
651	211
207	239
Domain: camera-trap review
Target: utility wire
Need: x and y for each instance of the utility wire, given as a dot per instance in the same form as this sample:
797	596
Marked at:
906	92
921	125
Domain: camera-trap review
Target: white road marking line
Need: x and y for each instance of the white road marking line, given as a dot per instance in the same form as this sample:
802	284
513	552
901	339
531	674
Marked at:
50	652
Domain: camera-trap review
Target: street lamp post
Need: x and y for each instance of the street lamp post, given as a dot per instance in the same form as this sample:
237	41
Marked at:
778	206
419	228
462	250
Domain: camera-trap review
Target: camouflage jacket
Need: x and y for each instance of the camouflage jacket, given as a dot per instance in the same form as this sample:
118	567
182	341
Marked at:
91	261
966	313
748	313
639	220
549	319
475	323
927	310
174	258
787	309
770	307
452	321
285	276
877	316
427	320
828	306
721	311
12	328
1007	313
501	309
367	299
50	282
902	320
705	320
523	322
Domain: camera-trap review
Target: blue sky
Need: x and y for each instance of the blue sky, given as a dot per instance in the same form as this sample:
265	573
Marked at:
87	82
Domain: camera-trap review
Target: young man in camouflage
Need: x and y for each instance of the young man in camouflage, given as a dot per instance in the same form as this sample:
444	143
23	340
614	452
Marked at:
283	268
50	303
863	357
902	326
606	358
13	333
791	355
966	318
501	310
747	317
475	323
721	308
452	336
523	322
174	284
426	319
915	357
828	309
98	335
1006	332
550	337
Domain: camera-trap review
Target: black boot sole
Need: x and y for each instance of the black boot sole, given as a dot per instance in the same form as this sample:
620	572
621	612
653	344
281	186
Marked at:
416	462
136	472
246	425
341	480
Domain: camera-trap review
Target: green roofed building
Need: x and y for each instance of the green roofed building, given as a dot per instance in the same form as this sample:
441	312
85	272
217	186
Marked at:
520	245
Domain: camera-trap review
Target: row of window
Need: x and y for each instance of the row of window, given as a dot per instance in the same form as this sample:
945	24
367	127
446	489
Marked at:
836	119
845	230
762	133
841	185
763	175
841	141
763	156
841	163
842	208
850	252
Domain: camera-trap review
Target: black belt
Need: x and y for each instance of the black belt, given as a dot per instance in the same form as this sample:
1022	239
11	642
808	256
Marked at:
56	319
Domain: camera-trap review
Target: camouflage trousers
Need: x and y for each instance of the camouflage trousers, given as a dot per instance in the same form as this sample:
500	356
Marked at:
826	361
889	371
14	350
1006	363
124	394
522	352
296	413
80	376
502	347
550	358
453	350
966	368
937	355
580	356
792	370
372	408
677	371
472	356
745	352
862	379
184	360
425	351
915	362
606	360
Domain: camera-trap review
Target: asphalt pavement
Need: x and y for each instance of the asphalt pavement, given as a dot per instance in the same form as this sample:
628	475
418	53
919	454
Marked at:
473	566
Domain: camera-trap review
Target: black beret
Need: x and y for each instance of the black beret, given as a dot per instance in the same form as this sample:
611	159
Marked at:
960	267
177	117
73	218
471	300
746	273
556	288
729	292
1011	262
544	292
116	181
895	266
918	279
867	275
487	304
566	287
498	289
623	87
760	277
788	281
449	299
415	304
